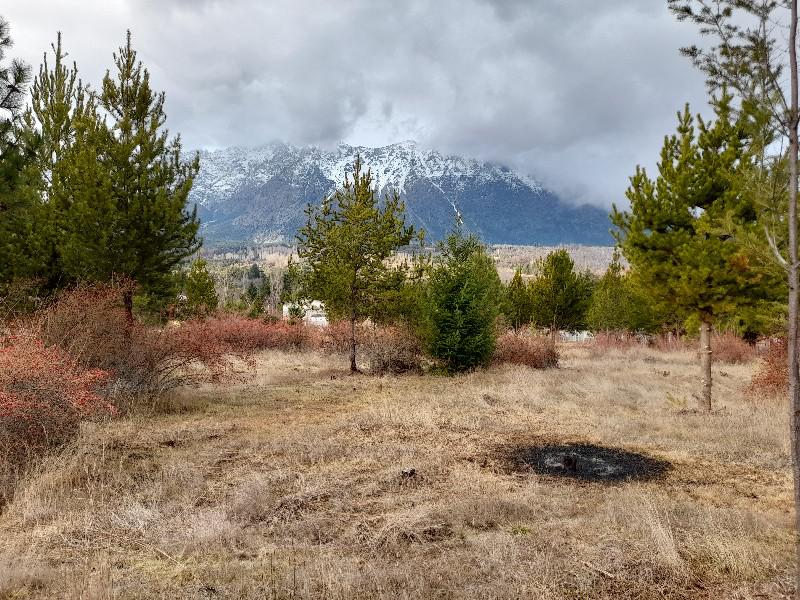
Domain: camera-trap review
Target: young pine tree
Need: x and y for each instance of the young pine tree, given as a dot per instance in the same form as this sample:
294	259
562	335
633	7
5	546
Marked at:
560	296
201	293
676	234
141	214
346	244
618	304
462	301
518	303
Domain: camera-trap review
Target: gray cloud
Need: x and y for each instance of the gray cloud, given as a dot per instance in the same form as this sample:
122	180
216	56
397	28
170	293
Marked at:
574	93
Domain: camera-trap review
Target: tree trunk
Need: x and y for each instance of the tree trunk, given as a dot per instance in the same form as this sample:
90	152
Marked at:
794	376
127	301
353	367
705	362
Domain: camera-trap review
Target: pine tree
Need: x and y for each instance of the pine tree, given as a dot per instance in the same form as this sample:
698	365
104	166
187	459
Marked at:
58	101
518	303
618	304
673	234
18	257
150	181
14	80
560	296
462	302
347	243
201	294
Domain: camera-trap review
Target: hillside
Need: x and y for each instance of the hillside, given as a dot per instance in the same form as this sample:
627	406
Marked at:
258	195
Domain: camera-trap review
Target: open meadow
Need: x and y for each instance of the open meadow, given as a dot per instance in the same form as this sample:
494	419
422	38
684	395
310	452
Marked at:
594	480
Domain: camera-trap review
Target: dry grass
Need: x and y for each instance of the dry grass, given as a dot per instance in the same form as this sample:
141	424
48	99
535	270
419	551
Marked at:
292	486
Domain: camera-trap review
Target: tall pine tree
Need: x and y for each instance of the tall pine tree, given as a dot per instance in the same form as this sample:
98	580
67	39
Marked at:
676	234
18	257
151	230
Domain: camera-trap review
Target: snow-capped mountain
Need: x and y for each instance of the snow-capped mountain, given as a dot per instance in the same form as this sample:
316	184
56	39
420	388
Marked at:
257	195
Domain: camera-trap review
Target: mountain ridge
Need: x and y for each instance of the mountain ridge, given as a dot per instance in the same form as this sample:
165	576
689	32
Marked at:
257	195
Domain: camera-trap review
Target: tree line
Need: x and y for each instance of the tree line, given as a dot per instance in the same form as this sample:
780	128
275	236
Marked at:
92	186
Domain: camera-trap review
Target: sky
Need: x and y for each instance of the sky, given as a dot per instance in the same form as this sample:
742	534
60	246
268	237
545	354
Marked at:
574	93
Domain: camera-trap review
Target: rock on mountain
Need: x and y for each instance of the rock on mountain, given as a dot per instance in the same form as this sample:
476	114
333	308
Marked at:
257	195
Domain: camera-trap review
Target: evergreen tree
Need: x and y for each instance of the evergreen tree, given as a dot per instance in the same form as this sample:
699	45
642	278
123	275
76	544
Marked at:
618	304
673	234
113	184
201	293
18	257
560	296
121	186
58	101
462	302
518	303
346	245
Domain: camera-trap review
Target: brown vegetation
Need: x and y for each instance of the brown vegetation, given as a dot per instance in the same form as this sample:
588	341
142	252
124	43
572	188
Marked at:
307	483
523	348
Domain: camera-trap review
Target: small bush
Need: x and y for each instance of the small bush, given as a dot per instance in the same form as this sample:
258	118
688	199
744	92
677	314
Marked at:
90	324
44	394
622	341
391	350
772	376
731	349
526	349
245	336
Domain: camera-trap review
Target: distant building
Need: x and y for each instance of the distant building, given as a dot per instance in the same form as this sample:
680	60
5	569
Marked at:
576	336
312	312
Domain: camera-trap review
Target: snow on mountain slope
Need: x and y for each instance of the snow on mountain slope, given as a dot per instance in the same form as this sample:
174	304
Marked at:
258	194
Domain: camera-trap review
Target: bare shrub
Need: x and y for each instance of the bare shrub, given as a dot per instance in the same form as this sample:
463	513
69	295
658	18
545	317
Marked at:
44	394
731	349
521	348
245	335
392	350
772	376
605	341
90	323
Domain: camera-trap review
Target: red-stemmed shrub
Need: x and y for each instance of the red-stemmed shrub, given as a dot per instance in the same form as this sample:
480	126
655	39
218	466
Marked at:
44	394
90	323
772	376
522	348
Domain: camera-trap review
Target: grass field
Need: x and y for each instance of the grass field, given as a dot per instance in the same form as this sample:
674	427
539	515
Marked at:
308	483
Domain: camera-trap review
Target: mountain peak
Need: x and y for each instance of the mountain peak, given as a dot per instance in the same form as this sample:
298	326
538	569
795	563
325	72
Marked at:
258	194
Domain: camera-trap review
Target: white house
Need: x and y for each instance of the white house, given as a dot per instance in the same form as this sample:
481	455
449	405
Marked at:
312	312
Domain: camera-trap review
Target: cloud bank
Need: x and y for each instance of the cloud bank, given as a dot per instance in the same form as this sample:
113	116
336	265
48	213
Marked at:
574	93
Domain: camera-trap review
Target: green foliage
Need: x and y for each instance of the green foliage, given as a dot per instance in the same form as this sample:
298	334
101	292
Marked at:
518	304
201	293
462	301
682	234
20	254
618	304
113	185
559	295
255	272
346	245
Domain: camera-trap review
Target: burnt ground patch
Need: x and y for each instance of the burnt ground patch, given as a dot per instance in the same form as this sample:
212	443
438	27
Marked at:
587	462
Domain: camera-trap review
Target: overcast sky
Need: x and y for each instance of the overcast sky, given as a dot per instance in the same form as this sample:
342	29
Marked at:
574	93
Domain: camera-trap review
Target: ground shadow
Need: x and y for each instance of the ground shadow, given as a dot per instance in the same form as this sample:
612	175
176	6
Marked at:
588	462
